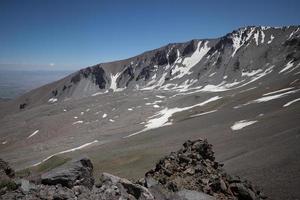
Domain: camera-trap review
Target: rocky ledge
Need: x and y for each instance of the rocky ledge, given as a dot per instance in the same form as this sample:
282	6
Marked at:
188	174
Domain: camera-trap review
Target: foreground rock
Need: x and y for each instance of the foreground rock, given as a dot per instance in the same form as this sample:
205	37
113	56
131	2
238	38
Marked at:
78	172
194	168
189	174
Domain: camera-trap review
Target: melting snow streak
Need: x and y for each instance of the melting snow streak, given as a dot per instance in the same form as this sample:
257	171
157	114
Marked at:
291	102
204	113
35	132
241	124
288	66
66	151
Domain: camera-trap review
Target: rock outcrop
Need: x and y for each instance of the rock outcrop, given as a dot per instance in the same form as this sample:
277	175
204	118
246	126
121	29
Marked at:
194	168
188	174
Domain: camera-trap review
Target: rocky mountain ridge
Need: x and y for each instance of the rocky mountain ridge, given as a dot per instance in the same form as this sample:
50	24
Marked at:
183	66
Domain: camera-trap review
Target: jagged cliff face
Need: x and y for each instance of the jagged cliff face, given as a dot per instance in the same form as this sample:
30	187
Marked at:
233	60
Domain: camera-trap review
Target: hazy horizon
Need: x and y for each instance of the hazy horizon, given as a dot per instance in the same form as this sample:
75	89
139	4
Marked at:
14	83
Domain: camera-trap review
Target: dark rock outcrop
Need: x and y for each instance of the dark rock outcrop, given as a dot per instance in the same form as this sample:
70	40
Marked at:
96	73
190	48
172	56
160	58
145	73
188	174
194	168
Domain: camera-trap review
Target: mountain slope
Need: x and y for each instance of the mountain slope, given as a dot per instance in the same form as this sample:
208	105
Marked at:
240	91
239	57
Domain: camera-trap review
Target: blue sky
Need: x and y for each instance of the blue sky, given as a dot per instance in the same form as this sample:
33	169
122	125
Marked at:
65	34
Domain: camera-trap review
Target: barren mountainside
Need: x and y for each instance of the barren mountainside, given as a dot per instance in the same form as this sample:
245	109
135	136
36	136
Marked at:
240	91
233	60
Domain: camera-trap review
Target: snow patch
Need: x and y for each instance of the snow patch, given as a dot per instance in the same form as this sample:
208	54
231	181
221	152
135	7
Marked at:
262	36
212	74
271	39
237	40
278	91
161	97
241	124
272	97
291	35
77	122
204	113
209	100
153	103
252	73
34	133
52	100
113	80
98	93
267	98
256	35
287	66
162	117
190	62
153	84
104	115
291	102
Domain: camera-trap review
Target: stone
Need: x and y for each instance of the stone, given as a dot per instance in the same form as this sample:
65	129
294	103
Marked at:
194	195
125	186
223	185
25	185
242	192
150	182
75	172
189	171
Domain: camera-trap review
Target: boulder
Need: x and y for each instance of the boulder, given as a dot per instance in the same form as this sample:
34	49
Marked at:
113	186
75	172
192	195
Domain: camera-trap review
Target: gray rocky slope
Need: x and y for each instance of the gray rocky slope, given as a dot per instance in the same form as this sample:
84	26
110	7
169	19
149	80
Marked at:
240	91
188	174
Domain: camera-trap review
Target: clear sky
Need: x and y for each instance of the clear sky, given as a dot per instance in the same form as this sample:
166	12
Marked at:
71	34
